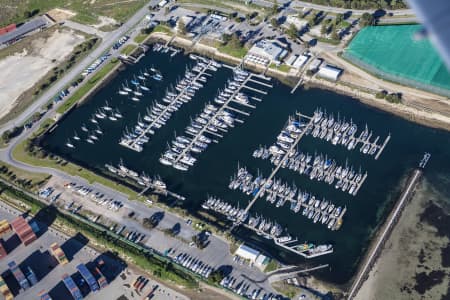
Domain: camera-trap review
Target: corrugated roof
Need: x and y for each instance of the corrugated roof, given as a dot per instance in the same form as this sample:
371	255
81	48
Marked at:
24	29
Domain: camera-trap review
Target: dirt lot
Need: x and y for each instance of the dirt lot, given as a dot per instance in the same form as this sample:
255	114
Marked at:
33	58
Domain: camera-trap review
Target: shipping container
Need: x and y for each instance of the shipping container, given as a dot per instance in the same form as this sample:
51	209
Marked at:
100	278
58	253
23	230
72	287
87	275
3	252
5	228
43	295
4	289
7	29
31	276
23	282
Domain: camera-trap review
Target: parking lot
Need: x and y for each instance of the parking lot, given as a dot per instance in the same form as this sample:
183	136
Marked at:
130	217
49	274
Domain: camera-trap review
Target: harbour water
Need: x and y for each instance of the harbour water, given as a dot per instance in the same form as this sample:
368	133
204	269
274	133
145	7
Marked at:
211	173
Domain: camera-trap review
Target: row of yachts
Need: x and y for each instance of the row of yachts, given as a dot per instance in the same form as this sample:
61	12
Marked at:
93	133
161	111
142	179
341	132
138	84
262	226
318	167
210	123
278	193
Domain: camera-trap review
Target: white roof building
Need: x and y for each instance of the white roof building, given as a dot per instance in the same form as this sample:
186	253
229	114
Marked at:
268	49
300	62
247	253
329	72
291	60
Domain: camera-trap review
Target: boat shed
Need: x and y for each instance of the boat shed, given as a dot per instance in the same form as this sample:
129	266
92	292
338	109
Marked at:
247	253
329	72
15	35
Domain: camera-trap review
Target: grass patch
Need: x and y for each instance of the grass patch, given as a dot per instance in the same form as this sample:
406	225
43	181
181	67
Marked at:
128	49
43	159
283	67
238	52
86	88
162	28
327	40
87	12
44	126
271	266
286	289
140	38
21	178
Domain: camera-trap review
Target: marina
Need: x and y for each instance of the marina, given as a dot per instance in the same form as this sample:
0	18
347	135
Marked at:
158	113
211	172
211	123
278	193
316	167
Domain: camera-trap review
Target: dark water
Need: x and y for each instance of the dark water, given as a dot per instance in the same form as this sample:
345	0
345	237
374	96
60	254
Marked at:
215	166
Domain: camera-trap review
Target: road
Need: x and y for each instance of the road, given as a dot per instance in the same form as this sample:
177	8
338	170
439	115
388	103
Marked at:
386	230
107	41
308	5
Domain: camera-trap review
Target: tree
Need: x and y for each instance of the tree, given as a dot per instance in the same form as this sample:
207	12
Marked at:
339	18
334	35
274	22
366	20
226	38
292	32
216	276
235	42
181	27
275	7
324	29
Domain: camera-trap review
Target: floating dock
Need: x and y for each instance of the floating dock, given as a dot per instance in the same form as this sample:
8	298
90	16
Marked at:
156	123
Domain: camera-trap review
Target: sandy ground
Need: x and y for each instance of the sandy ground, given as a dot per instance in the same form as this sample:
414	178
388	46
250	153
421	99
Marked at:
413	248
104	21
19	72
59	14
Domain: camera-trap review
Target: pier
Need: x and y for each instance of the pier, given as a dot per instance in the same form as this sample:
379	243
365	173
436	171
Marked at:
147	183
383	146
319	211
154	124
384	233
210	123
277	167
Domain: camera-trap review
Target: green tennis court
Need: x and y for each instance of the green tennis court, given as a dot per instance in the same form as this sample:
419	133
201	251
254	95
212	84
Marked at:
397	52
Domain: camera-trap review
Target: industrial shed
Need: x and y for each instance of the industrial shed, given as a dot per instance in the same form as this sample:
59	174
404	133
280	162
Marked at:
329	72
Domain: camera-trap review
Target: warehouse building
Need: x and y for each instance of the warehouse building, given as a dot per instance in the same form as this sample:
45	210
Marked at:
247	253
17	34
267	51
329	72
